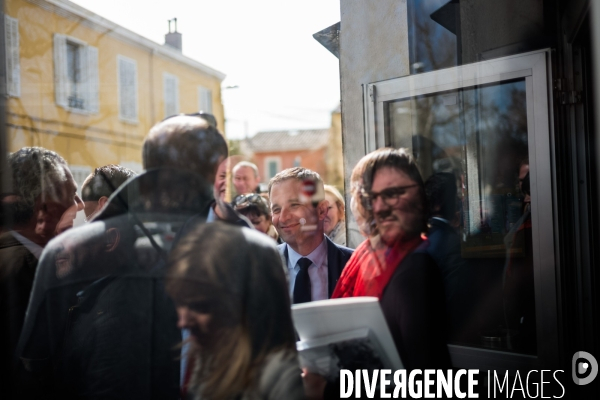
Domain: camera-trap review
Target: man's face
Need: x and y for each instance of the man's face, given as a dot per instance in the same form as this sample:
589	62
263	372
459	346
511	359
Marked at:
220	186
400	215
288	210
56	215
244	180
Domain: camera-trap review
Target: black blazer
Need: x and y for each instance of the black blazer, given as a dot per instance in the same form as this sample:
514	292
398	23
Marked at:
17	271
337	257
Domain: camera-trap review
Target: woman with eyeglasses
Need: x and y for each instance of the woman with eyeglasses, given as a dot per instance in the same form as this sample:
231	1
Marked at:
256	208
230	292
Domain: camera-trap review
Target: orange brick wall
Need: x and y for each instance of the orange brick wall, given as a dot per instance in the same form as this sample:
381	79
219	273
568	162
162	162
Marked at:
311	159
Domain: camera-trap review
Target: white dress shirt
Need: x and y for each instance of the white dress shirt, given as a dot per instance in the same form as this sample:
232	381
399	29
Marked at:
317	271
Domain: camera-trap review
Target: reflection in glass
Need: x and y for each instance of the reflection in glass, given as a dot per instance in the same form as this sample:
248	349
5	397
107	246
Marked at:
479	135
432	45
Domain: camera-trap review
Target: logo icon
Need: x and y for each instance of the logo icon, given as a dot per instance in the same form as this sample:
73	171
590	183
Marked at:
584	367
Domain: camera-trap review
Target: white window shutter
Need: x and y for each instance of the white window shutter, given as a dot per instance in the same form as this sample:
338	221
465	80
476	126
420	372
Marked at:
90	83
13	64
171	94
60	70
204	99
80	173
128	107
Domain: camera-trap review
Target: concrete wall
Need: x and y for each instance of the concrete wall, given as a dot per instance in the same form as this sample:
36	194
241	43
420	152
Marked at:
373	47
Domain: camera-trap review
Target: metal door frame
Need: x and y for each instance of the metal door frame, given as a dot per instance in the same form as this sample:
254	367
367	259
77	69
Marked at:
535	68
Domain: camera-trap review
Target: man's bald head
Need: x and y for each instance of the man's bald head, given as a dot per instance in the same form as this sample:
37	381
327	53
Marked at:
185	142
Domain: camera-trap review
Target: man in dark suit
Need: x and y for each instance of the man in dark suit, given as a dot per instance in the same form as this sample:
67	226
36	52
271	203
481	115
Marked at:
44	192
314	262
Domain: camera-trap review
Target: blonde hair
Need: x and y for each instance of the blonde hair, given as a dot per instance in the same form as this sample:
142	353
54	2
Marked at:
339	200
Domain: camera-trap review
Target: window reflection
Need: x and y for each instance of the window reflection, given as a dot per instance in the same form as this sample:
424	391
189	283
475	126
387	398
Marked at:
432	43
479	137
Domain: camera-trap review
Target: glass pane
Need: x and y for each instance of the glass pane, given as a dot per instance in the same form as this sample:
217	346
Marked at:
471	146
432	38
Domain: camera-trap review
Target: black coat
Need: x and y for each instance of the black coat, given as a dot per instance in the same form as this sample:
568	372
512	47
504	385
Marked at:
413	303
100	324
17	271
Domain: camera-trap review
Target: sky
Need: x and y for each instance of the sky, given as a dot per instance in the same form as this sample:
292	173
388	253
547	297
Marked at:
285	78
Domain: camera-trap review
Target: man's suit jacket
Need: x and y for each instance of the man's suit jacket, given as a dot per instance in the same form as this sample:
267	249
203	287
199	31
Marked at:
17	270
337	257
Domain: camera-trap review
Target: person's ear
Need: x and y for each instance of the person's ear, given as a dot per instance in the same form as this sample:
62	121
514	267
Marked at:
341	213
101	203
322	209
112	237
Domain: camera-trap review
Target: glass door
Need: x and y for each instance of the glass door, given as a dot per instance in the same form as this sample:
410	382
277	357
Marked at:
482	131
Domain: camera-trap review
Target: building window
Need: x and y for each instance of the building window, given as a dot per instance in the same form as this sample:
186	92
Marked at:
13	65
472	127
74	79
297	161
433	26
128	102
204	99
272	166
171	94
76	74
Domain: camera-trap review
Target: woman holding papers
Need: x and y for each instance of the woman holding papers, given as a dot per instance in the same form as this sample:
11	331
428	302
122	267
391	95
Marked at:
392	263
231	296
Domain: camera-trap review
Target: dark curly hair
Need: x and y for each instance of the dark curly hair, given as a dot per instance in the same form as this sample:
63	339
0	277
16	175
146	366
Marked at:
362	180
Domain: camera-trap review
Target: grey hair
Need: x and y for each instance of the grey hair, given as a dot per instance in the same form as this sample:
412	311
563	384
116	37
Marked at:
36	174
246	164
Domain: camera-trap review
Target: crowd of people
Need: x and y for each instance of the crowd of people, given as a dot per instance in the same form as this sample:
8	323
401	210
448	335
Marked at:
170	291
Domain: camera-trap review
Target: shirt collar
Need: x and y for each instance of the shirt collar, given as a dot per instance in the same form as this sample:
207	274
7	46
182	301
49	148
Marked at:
34	248
212	216
317	256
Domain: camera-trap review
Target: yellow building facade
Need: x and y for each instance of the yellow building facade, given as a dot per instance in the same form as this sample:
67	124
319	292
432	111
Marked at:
90	89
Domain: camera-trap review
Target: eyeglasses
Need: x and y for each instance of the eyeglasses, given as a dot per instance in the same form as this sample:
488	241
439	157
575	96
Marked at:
390	196
212	121
245	200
